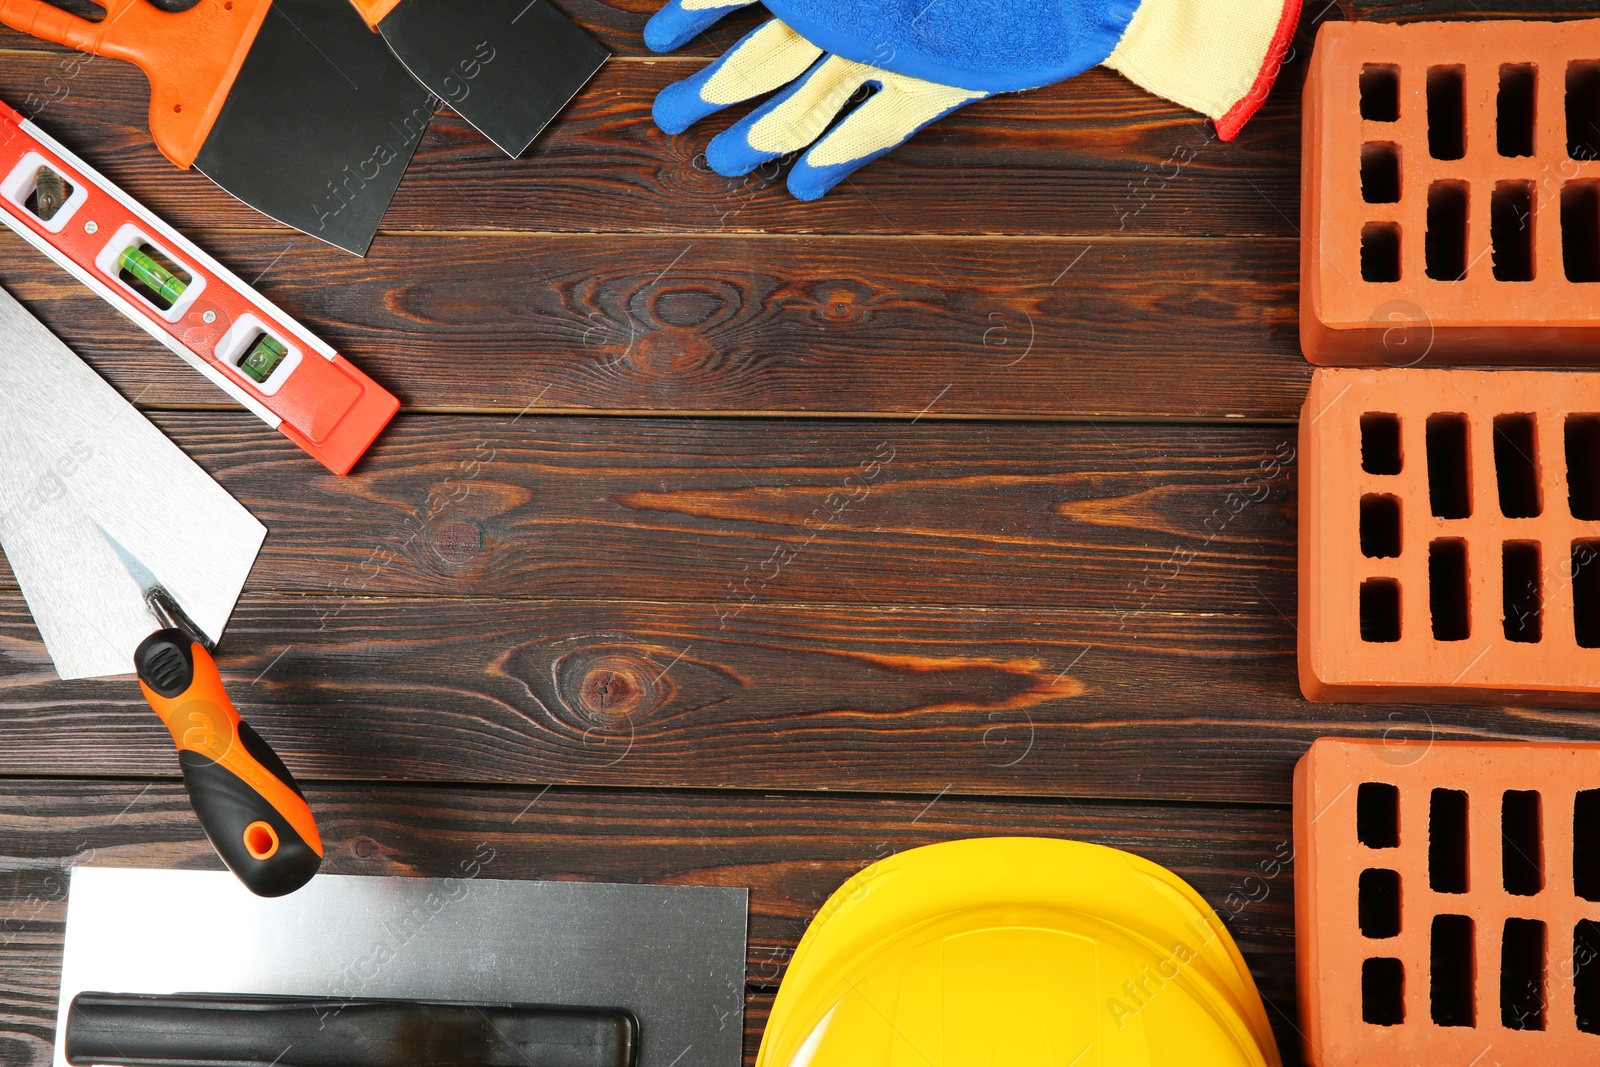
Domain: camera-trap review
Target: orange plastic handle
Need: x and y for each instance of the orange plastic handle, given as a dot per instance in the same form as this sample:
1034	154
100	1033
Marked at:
375	11
203	720
191	58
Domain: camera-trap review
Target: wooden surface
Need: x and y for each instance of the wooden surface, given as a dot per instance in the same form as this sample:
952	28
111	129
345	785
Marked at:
730	540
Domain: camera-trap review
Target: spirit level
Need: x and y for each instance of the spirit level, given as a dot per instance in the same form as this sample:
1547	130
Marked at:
186	300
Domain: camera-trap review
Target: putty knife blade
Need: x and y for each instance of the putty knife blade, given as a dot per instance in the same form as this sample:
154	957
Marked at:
81	472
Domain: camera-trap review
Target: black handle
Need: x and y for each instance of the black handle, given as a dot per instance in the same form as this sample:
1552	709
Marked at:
207	1030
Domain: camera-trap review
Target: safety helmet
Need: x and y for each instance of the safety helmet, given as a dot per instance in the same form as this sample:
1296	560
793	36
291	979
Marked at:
1017	952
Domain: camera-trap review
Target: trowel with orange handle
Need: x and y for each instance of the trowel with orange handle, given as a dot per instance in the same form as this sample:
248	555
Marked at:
131	559
293	106
506	66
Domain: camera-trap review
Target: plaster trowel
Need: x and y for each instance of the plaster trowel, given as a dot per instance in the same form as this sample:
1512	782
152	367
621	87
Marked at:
131	559
352	971
290	105
506	66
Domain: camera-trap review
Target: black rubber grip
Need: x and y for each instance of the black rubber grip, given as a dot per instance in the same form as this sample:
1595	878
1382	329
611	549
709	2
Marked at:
165	662
206	1030
226	805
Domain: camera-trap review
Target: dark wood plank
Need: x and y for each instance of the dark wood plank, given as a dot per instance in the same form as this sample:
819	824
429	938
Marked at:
791	851
973	701
1172	578
738	324
1115	518
1095	156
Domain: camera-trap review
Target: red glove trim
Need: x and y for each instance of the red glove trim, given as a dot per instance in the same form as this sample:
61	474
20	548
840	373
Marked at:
1229	125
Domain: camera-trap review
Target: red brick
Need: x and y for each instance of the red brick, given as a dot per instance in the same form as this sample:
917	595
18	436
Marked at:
1517	520
1348	320
1475	856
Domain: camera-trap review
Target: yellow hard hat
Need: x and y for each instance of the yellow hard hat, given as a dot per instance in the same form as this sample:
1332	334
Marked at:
1017	952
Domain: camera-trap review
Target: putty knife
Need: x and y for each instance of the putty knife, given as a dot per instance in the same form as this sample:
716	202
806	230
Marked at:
290	105
131	559
506	66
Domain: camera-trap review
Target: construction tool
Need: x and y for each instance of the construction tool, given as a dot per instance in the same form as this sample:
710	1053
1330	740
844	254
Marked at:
131	559
506	66
194	1030
671	957
186	300
290	105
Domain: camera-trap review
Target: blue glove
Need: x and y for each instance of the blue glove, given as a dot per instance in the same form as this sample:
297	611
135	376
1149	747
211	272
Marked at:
928	57
991	45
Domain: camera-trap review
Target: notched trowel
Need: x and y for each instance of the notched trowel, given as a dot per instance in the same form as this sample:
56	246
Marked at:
131	559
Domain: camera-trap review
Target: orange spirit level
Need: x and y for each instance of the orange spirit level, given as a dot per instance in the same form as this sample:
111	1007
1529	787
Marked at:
186	300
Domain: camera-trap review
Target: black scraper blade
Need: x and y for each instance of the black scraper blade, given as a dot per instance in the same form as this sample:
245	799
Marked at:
506	66
320	124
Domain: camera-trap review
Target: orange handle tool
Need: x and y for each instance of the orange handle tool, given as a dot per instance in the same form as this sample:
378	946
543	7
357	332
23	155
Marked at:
246	799
190	57
313	396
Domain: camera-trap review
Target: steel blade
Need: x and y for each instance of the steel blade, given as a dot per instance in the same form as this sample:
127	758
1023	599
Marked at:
164	607
506	66
320	124
84	475
86	606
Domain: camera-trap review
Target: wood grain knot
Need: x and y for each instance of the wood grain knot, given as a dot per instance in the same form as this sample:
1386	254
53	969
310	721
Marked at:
365	848
456	541
609	685
675	353
844	303
693	306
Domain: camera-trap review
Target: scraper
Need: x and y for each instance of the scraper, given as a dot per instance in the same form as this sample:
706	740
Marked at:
131	559
506	66
290	105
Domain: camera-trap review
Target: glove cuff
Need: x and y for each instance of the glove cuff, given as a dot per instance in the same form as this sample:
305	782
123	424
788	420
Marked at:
1217	57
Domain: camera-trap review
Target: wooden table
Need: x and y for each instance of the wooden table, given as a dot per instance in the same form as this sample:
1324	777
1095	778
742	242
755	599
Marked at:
729	540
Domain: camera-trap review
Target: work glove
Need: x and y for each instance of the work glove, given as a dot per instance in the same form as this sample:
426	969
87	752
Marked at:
926	58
